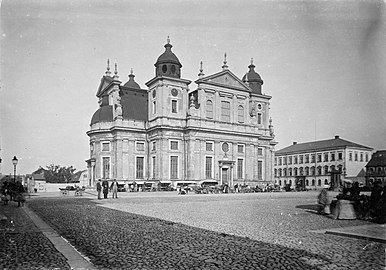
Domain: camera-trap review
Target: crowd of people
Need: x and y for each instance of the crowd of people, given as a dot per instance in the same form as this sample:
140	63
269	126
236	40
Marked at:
13	191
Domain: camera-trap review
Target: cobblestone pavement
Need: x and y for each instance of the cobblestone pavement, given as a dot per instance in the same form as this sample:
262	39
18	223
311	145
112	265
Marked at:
225	231
22	245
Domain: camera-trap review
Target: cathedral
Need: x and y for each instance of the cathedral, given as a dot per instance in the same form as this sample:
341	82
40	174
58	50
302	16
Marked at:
218	130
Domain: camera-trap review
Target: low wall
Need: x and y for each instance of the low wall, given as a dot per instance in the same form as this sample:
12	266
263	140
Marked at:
51	187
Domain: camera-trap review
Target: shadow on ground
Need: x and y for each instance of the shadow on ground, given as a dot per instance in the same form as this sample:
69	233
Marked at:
114	239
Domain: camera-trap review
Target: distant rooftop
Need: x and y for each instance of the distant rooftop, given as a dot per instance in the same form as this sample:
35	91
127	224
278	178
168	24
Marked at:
378	159
320	145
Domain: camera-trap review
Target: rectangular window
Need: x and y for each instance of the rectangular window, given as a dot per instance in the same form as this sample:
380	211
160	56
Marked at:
259	151
241	114
275	161
209	146
361	157
259	118
106	167
260	170
240	169
173	167
209	109
332	156
139	168
174	145
105	146
319	157
295	159
208	167
153	166
307	157
240	148
312	158
140	146
153	146
284	160
279	160
340	156
225	111
301	159
154	107
356	156
325	157
174	106
290	160
350	156
367	157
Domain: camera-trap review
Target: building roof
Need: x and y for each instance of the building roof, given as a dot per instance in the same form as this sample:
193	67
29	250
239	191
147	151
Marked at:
378	159
320	145
134	104
131	83
168	56
103	114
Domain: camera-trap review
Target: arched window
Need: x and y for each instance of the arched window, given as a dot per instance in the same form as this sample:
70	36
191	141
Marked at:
307	182
209	109
340	167
295	171
289	172
301	171
319	182
326	170
312	170
307	171
275	172
313	182
284	172
279	182
241	114
319	170
285	182
332	168
325	181
290	182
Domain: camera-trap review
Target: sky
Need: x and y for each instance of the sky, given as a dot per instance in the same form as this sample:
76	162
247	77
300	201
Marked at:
323	63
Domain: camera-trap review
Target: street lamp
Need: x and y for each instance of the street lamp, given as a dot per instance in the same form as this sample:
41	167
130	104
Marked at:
14	162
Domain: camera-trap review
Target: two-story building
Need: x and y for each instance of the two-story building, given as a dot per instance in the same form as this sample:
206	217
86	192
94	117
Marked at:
376	169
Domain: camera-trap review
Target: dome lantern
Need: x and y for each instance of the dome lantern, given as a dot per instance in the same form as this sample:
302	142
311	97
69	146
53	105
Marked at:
167	63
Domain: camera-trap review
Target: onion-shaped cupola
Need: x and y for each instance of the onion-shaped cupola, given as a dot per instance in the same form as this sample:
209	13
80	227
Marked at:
167	63
131	83
253	79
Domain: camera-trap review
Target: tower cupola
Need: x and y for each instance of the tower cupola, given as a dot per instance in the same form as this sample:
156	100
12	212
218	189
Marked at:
167	63
253	79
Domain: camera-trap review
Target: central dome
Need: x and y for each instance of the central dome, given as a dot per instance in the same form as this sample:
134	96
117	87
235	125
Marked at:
167	63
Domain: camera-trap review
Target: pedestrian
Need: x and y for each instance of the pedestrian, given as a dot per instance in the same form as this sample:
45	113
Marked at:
114	188
324	201
19	194
99	189
105	186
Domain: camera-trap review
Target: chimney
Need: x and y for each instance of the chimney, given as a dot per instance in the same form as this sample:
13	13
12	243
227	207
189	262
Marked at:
336	136
294	143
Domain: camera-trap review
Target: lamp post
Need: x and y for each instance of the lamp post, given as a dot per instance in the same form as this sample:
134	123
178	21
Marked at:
14	162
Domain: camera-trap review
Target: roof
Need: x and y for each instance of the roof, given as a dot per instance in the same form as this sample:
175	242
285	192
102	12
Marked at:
168	56
320	145
103	114
134	104
378	159
131	82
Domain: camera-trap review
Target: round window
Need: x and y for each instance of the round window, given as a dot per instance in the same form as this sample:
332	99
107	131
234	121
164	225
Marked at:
225	147
259	106
174	92
164	68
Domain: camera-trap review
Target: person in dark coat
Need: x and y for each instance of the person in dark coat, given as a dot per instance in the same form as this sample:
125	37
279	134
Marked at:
99	189
105	185
19	194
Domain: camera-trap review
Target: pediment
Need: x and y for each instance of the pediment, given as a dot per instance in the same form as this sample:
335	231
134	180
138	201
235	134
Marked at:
105	82
225	79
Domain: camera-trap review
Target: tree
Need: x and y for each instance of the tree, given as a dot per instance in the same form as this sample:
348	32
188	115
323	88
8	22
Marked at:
59	174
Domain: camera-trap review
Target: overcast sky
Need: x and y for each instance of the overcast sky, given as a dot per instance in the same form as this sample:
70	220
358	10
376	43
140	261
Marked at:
323	63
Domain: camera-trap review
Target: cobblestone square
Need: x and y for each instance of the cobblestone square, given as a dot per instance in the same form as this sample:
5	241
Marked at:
222	231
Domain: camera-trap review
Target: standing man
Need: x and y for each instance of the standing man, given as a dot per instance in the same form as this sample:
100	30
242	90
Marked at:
99	189
105	186
114	188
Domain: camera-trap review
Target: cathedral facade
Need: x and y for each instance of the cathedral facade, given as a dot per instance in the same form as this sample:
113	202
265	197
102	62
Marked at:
218	130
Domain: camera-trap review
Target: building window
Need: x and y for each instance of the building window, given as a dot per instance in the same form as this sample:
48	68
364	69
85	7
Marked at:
209	146
275	172
325	157
225	111
139	168
312	158
153	166
173	167
367	157
295	171
105	146
259	170
319	157
209	109
319	172
154	107
241	114
325	170
140	146
240	168
301	171
275	161
208	167
240	148
361	157
259	151
350	156
307	171
301	159
259	118
173	145
332	156
284	160
289	172
319	182
307	182
356	156
279	160
106	167
340	156
312	170
284	172
307	158
289	160
174	106
153	146
295	159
